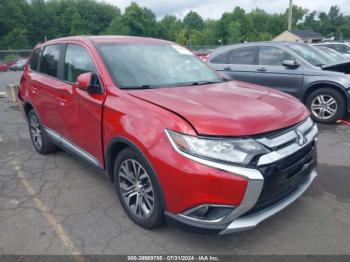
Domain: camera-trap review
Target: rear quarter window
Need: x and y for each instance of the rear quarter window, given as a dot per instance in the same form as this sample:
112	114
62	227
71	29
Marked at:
221	58
49	60
34	61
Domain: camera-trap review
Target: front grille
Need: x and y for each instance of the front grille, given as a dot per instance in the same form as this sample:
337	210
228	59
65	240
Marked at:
285	175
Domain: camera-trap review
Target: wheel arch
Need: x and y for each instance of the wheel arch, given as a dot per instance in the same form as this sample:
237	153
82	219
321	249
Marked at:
317	85
27	106
115	146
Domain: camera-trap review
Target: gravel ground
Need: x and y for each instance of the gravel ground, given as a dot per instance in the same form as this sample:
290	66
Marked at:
55	204
9	77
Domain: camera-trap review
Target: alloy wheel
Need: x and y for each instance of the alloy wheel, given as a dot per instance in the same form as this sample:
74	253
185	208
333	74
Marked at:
35	131
324	106
136	188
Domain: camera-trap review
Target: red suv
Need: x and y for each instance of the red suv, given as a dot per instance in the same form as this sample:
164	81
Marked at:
178	141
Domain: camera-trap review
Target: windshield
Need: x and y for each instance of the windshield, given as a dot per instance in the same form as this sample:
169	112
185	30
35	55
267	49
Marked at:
312	54
154	65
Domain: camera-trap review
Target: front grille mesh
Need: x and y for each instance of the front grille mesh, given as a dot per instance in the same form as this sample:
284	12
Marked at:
285	175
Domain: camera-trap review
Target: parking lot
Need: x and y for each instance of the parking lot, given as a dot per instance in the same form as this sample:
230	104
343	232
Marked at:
55	204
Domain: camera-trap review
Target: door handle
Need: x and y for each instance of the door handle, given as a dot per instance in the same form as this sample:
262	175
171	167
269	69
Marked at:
34	90
227	68
262	69
63	98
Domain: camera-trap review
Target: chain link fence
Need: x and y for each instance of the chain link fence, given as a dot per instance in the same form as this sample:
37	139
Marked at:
11	56
201	47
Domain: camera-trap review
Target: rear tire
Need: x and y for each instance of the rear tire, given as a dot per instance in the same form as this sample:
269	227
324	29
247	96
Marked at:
39	137
138	189
326	105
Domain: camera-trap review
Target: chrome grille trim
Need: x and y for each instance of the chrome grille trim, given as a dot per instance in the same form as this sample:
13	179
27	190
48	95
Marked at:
309	131
287	137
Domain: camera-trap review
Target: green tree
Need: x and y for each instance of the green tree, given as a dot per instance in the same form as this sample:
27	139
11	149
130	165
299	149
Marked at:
139	21
195	38
116	27
168	27
13	14
77	26
17	39
298	15
193	21
181	37
210	36
33	21
234	32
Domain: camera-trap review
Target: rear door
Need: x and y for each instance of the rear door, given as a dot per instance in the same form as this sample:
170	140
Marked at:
239	63
46	91
272	73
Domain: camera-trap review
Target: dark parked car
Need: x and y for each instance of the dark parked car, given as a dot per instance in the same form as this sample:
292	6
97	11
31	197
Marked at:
298	69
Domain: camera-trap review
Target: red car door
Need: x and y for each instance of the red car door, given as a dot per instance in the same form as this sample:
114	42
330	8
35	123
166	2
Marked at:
82	117
47	93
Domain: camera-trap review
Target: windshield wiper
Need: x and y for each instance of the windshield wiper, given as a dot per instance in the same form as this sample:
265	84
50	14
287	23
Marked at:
198	83
139	87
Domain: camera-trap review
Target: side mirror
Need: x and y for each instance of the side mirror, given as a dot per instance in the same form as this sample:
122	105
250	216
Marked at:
84	81
290	64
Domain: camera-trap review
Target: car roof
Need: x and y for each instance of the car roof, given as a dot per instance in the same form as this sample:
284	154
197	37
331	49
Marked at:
107	39
332	43
260	43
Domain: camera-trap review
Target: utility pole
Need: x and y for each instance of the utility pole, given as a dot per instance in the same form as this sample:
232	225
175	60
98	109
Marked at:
290	15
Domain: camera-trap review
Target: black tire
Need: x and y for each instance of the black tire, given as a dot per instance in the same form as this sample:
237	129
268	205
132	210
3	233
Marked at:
156	217
339	107
46	146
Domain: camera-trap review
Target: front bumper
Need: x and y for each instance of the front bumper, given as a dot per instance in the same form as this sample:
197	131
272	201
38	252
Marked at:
250	221
257	203
245	222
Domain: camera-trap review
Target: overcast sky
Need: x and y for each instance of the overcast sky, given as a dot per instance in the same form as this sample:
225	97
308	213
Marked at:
215	8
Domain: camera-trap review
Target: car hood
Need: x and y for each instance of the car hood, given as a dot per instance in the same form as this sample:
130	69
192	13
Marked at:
228	109
340	66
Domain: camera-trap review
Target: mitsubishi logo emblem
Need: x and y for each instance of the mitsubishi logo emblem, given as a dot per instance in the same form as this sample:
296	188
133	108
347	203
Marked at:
301	139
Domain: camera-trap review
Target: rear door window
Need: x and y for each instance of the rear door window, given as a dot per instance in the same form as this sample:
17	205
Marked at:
77	61
49	60
244	56
273	56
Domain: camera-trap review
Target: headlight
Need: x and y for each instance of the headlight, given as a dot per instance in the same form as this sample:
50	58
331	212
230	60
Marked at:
239	151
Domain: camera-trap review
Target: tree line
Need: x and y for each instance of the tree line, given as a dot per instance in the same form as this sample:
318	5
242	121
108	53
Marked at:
24	23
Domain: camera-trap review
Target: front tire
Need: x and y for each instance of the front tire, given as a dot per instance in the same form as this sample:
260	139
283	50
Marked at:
326	105
138	189
39	137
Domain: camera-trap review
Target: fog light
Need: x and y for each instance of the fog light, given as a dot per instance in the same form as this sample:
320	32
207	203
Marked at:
209	212
201	211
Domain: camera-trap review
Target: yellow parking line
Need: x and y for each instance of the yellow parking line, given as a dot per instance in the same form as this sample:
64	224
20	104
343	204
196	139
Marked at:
66	240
